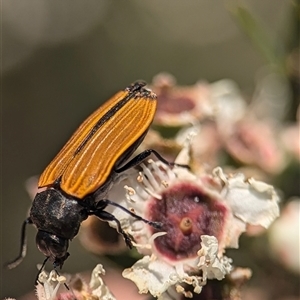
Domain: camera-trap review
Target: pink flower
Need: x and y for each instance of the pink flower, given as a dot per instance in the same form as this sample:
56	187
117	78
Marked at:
180	105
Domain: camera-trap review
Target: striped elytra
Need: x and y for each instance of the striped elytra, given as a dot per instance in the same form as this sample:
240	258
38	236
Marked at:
87	159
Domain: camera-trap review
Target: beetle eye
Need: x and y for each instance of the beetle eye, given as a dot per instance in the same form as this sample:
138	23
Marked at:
51	245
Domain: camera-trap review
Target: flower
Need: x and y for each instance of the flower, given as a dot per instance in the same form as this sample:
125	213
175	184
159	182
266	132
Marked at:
245	137
53	286
180	105
201	216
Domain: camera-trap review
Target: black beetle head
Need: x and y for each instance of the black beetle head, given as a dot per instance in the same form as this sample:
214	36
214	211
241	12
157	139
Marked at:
53	246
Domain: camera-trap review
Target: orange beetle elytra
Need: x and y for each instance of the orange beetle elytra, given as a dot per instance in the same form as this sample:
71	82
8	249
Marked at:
102	142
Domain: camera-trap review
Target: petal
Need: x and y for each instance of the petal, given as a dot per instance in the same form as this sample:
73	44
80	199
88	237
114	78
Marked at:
211	265
252	201
151	275
98	287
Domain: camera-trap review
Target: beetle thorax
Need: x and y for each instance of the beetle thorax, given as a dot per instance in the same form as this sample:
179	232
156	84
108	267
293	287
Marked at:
56	214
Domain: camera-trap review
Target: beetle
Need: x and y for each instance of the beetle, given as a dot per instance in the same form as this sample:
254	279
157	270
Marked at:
78	179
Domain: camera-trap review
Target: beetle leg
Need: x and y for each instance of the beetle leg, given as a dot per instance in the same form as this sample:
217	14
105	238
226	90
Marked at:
142	156
105	202
106	216
23	248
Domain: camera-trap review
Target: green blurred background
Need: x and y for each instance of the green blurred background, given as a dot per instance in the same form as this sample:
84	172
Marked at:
62	59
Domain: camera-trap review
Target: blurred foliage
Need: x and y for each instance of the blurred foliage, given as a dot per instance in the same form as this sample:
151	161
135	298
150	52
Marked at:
272	51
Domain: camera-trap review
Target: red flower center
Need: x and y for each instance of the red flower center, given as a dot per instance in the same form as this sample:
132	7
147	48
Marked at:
186	212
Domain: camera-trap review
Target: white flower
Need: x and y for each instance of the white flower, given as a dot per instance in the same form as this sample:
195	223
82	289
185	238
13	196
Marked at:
97	287
53	286
201	216
48	285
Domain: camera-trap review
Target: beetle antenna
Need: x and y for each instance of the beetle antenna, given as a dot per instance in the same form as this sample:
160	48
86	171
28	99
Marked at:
23	248
156	225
